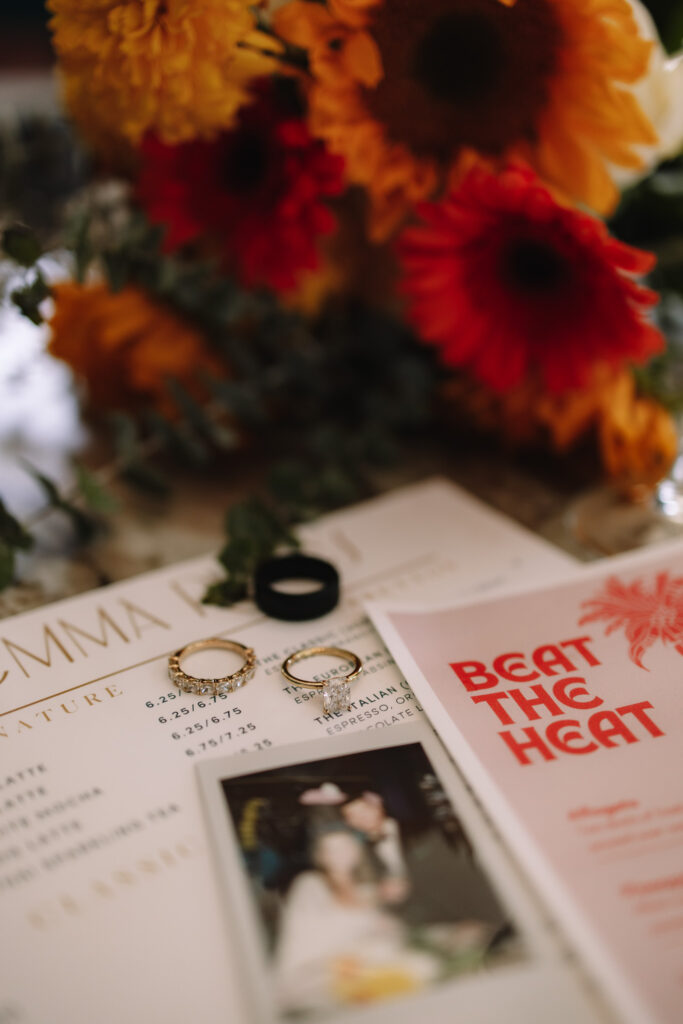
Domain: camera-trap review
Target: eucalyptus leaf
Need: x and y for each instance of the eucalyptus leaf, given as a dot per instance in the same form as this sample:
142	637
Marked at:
21	244
125	435
196	415
82	245
12	532
96	497
240	398
6	564
117	270
178	438
49	488
254	521
136	470
255	532
236	557
335	487
85	526
147	478
225	593
29	297
288	482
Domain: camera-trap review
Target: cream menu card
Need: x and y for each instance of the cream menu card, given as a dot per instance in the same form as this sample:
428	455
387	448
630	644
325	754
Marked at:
107	892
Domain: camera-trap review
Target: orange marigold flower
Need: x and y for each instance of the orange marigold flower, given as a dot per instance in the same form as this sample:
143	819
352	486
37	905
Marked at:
126	345
636	437
411	93
638	440
529	414
509	416
179	68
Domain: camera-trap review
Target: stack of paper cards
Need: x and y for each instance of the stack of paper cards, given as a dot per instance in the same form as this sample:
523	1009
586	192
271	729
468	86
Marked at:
110	905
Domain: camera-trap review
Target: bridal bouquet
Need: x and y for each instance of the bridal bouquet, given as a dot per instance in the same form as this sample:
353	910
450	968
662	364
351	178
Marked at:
333	222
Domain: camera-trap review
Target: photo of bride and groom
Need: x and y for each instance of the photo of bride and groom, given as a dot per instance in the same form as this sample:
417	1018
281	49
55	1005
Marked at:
365	883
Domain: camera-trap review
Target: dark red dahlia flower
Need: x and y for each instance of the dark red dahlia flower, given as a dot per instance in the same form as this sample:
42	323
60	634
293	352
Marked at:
254	194
510	284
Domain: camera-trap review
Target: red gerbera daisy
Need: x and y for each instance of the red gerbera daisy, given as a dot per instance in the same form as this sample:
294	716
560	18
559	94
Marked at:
509	284
255	193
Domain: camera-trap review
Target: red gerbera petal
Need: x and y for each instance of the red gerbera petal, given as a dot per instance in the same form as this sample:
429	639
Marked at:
255	194
508	283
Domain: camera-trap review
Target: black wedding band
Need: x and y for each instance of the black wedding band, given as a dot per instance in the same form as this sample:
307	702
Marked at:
296	607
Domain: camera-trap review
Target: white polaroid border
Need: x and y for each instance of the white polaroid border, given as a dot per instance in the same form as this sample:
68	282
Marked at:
544	986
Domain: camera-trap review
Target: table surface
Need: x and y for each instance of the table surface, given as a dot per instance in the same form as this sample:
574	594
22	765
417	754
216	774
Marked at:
145	534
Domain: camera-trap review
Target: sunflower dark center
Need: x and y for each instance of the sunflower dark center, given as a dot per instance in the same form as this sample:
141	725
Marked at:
246	161
463	73
533	267
460	57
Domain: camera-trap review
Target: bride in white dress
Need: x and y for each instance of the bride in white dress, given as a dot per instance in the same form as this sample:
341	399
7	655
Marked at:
333	917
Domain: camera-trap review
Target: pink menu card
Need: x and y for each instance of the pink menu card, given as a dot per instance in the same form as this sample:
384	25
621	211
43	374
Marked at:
563	706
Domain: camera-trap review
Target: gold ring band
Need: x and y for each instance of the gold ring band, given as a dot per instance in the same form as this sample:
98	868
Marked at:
214	687
336	692
310	652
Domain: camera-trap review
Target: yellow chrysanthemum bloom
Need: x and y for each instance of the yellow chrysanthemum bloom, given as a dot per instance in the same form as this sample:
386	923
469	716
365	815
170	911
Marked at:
124	346
179	68
410	93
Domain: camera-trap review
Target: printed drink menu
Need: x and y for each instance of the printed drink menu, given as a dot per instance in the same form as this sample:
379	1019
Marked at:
110	909
564	707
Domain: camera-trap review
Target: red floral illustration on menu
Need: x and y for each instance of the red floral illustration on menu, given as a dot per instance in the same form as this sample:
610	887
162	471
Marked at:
645	615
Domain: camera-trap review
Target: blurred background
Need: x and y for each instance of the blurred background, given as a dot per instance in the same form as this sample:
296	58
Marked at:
41	421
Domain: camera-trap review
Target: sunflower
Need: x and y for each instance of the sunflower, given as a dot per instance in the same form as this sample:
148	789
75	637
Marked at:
125	345
411	93
254	194
509	284
179	68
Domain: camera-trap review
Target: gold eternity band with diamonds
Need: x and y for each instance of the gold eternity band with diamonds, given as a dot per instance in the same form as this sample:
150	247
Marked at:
336	692
214	687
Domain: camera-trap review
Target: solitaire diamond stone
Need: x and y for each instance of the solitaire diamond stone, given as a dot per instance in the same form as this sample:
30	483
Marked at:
336	696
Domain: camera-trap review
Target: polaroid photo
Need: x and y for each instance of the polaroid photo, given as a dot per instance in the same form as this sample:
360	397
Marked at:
365	885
